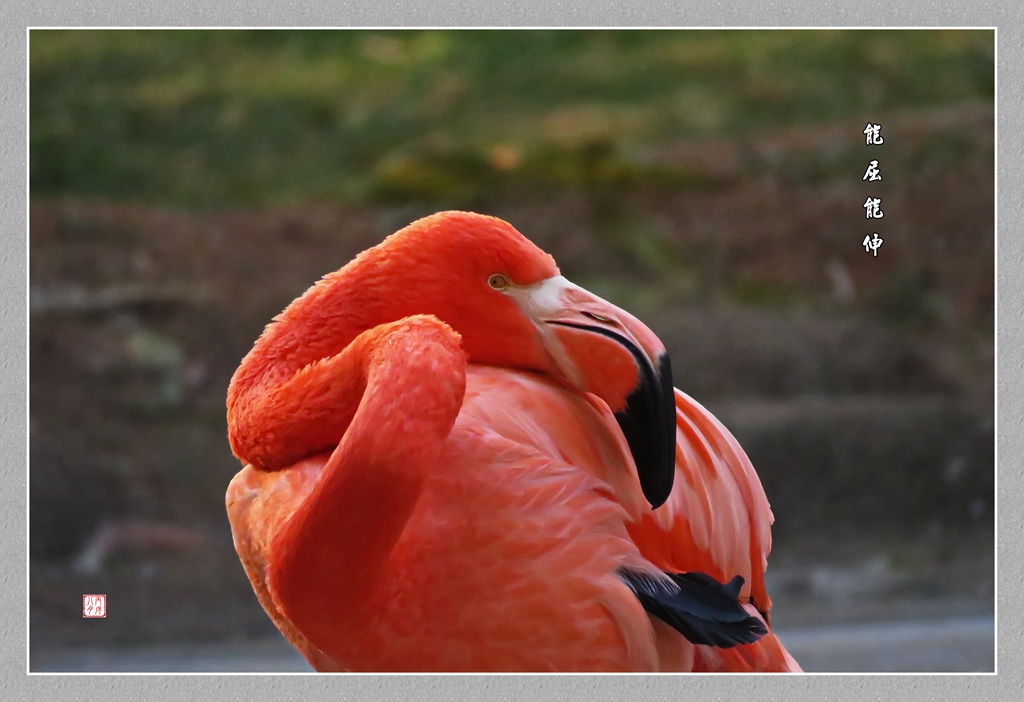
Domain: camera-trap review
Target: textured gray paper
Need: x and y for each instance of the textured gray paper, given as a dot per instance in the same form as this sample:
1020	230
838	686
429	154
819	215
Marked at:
1007	684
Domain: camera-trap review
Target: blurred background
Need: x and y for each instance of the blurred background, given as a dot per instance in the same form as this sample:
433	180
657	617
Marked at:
186	185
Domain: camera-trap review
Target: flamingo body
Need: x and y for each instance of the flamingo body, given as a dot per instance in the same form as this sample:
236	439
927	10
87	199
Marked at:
407	507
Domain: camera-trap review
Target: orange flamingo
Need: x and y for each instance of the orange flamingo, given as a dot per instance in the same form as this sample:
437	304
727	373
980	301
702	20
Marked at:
451	458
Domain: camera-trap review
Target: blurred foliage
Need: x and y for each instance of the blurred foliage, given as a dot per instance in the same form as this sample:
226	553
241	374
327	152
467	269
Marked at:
206	118
908	298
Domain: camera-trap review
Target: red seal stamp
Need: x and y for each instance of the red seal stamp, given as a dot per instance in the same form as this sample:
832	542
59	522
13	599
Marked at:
94	606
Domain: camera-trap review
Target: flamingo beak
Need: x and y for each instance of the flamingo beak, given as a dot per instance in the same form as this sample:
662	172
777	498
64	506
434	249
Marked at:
596	347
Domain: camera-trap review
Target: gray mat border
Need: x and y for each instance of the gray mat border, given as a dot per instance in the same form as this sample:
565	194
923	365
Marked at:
16	685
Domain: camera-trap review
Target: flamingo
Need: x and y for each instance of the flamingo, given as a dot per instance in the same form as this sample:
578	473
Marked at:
457	460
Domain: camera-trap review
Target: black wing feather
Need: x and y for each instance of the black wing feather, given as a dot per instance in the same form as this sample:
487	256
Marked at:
699	607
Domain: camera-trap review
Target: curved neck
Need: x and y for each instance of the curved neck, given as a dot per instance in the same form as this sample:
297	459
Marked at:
318	324
328	560
280	408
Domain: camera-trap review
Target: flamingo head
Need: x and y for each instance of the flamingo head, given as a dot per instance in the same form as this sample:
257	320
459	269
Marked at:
506	298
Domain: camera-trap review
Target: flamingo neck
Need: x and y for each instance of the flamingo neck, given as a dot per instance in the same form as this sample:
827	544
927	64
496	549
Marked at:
280	370
330	557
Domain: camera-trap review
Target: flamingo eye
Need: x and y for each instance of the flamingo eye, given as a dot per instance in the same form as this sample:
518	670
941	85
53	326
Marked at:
498	281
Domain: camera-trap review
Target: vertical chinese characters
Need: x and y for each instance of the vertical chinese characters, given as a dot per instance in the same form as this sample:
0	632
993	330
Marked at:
872	205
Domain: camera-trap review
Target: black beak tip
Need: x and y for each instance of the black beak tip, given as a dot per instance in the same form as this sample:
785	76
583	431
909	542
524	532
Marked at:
649	424
664	471
648	421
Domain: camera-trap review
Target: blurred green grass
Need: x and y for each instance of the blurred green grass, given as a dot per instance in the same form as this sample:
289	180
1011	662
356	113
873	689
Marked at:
222	118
